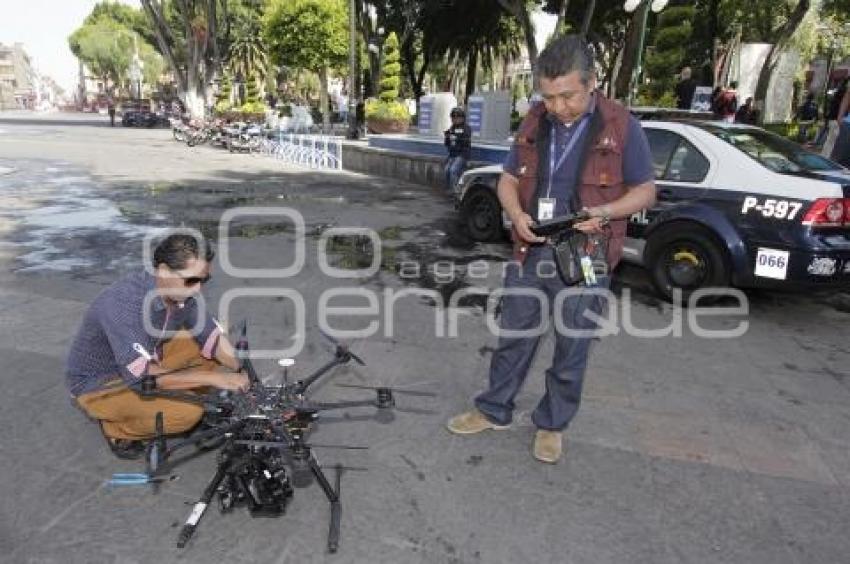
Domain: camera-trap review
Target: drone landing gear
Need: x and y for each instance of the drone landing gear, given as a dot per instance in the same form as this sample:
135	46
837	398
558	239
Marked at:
266	489
303	455
333	497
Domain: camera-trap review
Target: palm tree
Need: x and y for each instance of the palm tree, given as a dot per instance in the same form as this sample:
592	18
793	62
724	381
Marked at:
248	56
477	33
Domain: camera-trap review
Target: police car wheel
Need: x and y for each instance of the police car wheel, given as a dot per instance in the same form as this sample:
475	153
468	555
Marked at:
687	258
483	216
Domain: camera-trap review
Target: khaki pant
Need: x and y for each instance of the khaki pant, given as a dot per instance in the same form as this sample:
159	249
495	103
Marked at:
124	414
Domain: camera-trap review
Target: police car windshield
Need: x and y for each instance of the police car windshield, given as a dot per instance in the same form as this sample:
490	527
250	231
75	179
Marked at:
774	152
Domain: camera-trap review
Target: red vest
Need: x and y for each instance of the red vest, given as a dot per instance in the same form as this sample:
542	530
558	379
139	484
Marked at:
601	178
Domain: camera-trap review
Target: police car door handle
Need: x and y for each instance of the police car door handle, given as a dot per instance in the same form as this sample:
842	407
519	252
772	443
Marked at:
665	194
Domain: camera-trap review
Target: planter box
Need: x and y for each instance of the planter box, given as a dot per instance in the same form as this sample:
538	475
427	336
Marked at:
386	126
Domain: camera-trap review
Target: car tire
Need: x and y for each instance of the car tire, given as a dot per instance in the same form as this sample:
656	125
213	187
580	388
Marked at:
482	215
686	256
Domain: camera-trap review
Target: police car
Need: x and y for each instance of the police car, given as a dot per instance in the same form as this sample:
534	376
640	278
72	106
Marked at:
737	205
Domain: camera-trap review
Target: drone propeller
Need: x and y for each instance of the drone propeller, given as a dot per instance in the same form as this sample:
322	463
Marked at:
342	347
403	391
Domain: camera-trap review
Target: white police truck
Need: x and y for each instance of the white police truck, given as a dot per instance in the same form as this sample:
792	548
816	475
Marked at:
737	205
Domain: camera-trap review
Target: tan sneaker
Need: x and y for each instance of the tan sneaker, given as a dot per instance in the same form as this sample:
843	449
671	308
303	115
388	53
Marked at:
548	446
472	422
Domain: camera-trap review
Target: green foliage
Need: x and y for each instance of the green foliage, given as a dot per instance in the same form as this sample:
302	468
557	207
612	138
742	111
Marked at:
307	34
226	88
519	90
387	111
154	65
105	46
223	106
252	90
647	98
254	107
108	38
392	69
125	16
662	64
248	54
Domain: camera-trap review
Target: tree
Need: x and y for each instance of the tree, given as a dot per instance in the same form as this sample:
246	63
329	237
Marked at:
192	36
520	10
105	47
474	32
124	15
388	107
108	39
392	71
606	23
309	34
248	54
672	34
781	36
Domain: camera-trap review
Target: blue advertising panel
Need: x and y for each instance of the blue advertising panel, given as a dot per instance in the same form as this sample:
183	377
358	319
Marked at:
426	109
475	114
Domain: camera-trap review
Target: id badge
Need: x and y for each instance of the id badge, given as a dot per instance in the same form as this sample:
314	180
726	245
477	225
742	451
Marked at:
545	209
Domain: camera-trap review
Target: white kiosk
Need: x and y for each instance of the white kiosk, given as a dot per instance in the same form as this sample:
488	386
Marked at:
434	111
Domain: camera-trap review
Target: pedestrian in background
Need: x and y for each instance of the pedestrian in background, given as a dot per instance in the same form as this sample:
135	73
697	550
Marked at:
110	107
458	140
685	90
832	119
807	115
746	113
727	103
715	101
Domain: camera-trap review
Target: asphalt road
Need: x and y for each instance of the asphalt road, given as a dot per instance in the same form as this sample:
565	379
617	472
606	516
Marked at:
686	449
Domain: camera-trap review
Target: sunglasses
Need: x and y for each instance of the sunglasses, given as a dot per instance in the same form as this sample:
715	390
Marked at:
190	281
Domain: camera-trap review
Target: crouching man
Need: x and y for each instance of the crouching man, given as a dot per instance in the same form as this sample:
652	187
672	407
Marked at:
149	325
576	150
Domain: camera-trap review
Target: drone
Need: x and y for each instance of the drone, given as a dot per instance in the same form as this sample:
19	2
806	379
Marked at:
261	438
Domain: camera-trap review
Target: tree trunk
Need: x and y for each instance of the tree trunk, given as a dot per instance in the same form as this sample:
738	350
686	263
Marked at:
471	71
782	35
374	72
519	10
202	52
588	17
627	65
562	17
323	99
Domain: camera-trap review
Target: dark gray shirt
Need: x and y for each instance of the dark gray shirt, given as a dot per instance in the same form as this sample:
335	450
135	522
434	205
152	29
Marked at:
114	339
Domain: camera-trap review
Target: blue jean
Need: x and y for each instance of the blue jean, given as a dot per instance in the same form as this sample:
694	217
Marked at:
454	168
514	355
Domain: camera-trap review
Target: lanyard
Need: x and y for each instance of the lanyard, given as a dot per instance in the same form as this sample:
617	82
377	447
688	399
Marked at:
553	166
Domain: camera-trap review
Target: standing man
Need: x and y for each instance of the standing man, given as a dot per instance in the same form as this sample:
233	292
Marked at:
727	103
685	90
747	113
150	325
110	107
807	115
458	139
831	119
575	150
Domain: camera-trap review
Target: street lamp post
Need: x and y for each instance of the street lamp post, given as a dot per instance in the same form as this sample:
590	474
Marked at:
353	94
645	5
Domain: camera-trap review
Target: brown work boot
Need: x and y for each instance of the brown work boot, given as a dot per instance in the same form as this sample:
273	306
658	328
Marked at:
547	446
472	422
